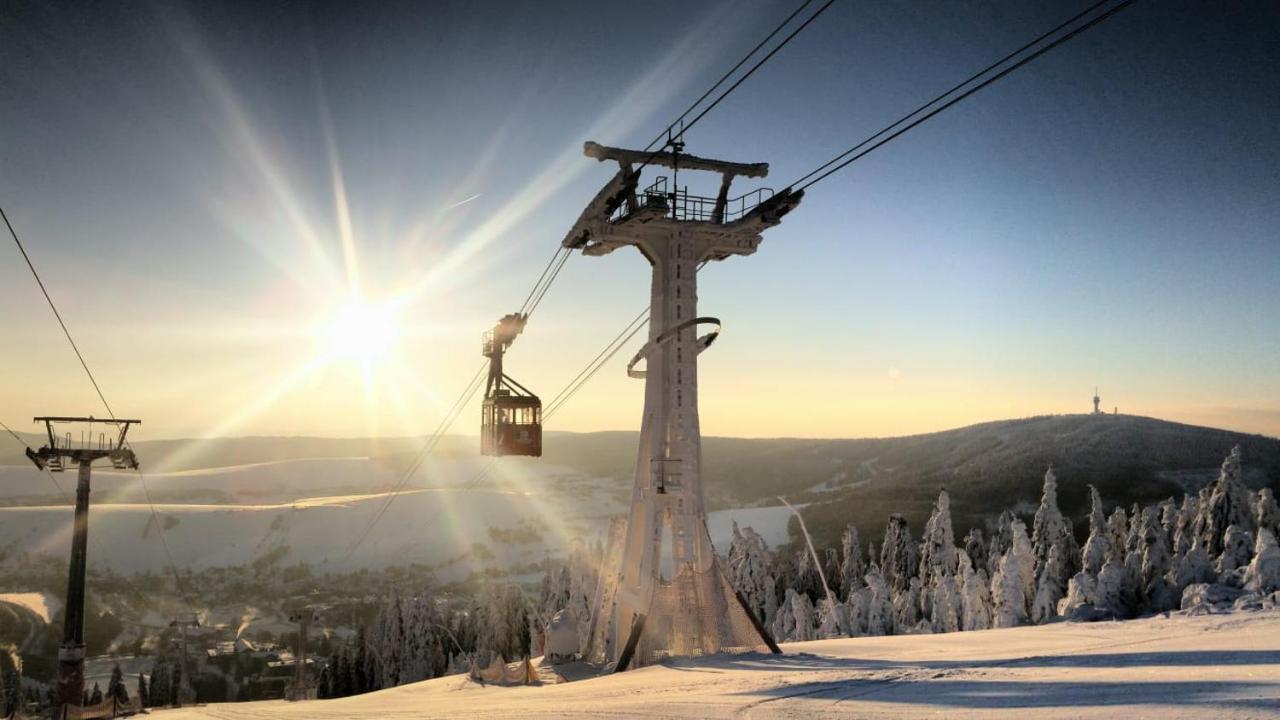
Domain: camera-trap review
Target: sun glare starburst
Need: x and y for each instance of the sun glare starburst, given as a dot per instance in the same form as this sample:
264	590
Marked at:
362	331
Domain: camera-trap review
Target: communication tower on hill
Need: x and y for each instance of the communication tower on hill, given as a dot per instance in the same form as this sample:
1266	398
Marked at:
662	591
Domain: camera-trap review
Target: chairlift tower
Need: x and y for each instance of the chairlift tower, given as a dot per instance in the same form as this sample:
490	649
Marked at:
184	622
642	613
60	453
302	688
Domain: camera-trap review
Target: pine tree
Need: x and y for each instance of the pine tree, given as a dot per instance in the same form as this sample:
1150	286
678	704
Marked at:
1009	600
95	697
1021	546
1266	512
1048	591
115	688
976	548
852	565
360	676
831	570
977	595
1117	532
1229	504
1237	551
898	561
1184	531
880	613
1001	540
160	682
937	557
1098	547
144	693
388	637
906	606
748	568
1051	530
1263	575
1156	560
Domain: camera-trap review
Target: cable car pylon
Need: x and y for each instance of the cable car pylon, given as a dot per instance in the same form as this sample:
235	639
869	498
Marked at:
511	415
662	591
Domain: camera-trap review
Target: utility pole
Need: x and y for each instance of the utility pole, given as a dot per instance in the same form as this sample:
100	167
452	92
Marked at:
647	611
302	687
56	457
183	622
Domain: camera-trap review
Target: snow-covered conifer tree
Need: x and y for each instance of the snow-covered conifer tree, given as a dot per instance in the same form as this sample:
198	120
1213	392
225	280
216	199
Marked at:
795	620
1114	588
1097	548
831	571
898	560
748	568
1192	567
937	554
947	609
1049	530
975	546
1155	558
906	606
976	594
1230	503
1266	513
852	564
1117	533
1008	598
1021	546
1263	575
1001	541
1237	551
1184	530
1048	591
880	613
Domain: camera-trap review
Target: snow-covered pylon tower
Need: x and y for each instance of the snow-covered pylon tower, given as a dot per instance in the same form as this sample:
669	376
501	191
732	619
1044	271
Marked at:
645	608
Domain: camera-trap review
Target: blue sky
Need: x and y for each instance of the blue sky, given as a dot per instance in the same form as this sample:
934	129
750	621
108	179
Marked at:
1104	216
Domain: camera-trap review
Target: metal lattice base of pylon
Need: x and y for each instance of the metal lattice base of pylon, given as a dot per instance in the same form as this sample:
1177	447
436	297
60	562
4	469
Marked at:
695	614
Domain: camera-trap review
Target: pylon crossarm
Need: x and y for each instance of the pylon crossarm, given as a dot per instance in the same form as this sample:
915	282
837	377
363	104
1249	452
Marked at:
703	343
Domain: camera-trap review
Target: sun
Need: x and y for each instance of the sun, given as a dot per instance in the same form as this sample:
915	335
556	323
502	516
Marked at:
362	331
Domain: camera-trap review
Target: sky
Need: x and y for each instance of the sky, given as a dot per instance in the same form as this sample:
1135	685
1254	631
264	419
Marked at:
210	189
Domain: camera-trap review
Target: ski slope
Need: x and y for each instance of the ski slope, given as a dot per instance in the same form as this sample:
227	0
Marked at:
1215	666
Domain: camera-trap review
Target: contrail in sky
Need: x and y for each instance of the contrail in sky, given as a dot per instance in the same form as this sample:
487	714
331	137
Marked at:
463	202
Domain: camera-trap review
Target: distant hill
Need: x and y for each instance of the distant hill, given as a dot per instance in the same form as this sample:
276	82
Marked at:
985	467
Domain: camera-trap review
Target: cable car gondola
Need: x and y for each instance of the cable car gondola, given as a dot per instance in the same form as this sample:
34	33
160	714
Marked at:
511	416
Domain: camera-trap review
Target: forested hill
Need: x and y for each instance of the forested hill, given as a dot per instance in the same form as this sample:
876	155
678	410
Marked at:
985	468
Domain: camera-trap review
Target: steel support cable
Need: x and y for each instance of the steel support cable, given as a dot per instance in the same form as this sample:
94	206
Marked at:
451	415
67	499
547	286
667	132
739	81
538	283
871	144
56	314
659	139
590	371
573	385
97	389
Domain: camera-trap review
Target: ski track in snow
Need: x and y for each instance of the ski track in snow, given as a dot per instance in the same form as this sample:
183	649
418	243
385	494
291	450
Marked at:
1222	667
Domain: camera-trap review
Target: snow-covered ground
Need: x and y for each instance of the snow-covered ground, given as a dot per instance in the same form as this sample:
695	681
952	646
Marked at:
42	604
1209	666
